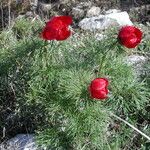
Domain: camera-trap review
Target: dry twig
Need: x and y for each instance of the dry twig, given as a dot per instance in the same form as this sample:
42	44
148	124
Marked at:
134	128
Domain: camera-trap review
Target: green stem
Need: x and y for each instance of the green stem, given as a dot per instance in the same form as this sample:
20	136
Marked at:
45	55
105	55
101	63
49	54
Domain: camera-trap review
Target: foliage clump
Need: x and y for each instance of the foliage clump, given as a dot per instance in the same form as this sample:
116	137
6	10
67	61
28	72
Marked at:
49	87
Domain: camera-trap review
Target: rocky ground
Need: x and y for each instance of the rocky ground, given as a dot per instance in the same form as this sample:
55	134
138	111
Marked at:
139	10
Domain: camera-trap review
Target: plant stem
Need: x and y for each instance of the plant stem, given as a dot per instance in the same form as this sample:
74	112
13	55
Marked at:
130	125
105	55
101	63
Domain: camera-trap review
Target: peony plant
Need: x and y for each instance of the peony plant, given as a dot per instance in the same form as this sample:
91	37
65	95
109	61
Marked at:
73	93
57	28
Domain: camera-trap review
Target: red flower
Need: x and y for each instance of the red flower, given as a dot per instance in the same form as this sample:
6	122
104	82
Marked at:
98	88
57	28
130	36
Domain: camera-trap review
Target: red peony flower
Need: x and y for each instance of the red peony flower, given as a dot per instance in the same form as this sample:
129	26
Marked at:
57	28
130	36
98	88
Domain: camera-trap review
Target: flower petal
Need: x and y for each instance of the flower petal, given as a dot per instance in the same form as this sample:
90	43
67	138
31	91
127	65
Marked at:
66	19
57	28
98	88
63	34
48	34
130	36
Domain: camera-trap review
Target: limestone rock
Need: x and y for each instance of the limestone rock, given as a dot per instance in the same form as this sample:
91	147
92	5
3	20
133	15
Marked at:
93	11
77	13
122	18
44	7
105	21
137	62
135	59
29	14
97	23
110	11
21	142
84	5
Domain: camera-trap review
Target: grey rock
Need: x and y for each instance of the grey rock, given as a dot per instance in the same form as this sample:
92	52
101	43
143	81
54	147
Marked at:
21	142
44	7
135	59
97	23
29	14
77	13
33	5
110	11
105	21
137	62
20	17
93	11
64	1
122	18
34	2
84	5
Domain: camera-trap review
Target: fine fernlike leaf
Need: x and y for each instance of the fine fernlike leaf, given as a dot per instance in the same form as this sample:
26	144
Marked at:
45	87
